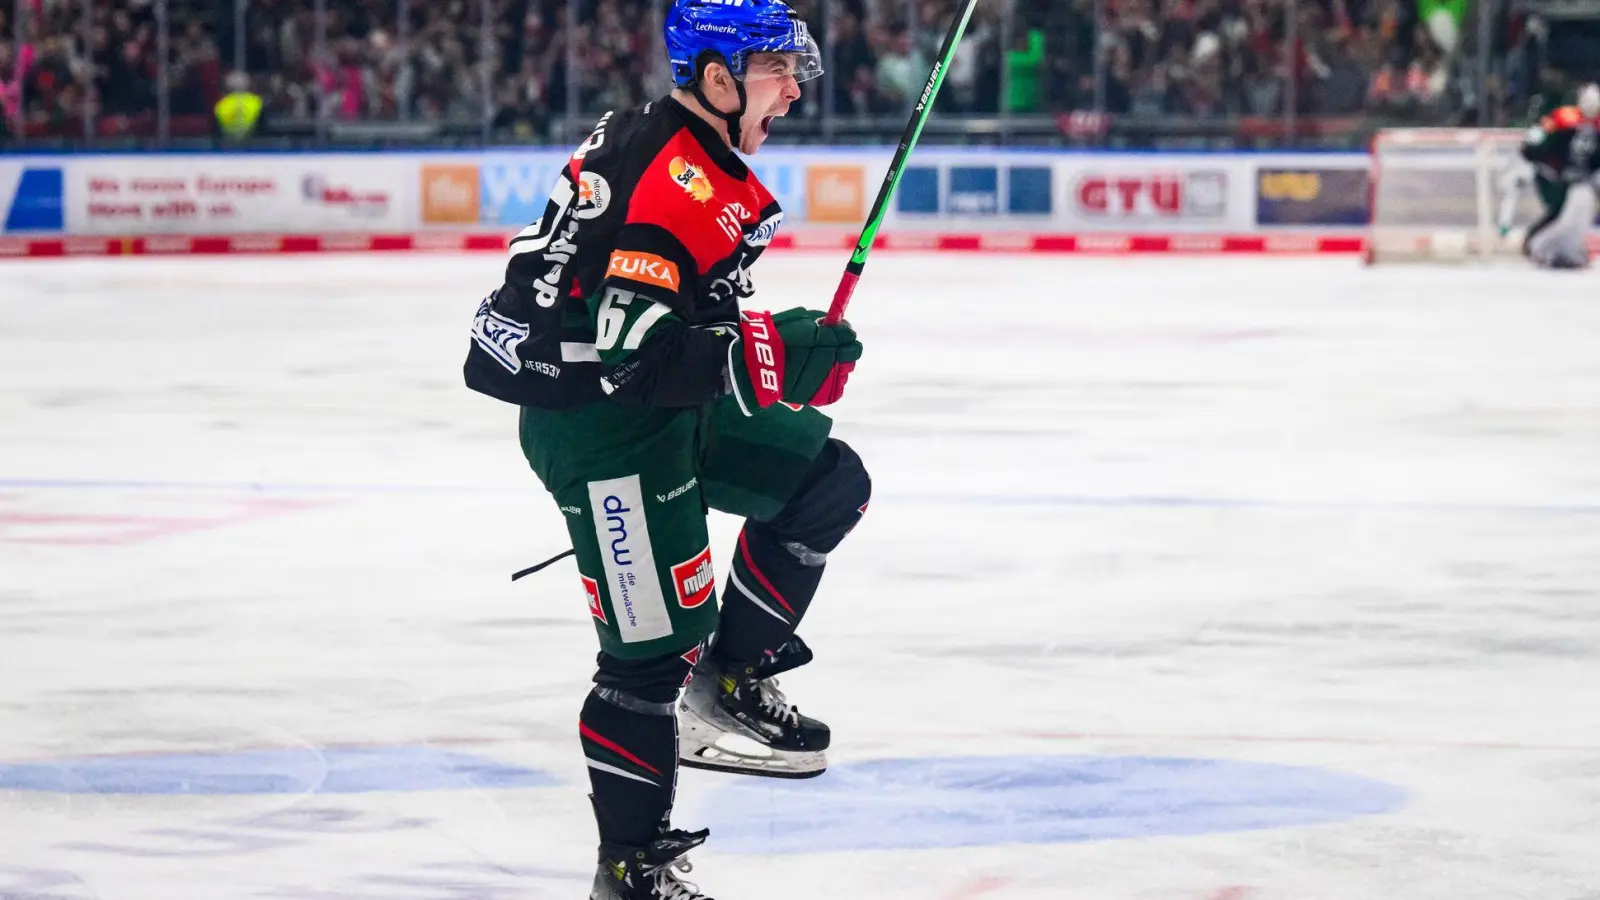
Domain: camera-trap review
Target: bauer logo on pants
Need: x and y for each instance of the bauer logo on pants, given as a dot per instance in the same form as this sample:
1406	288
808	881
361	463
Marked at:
693	579
629	560
592	589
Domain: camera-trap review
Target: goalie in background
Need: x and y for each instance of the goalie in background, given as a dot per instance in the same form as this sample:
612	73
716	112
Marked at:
1559	159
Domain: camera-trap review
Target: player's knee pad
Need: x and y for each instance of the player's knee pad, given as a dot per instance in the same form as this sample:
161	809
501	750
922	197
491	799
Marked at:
643	685
829	502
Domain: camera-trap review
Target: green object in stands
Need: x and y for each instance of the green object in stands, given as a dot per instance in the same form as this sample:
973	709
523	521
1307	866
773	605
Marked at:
1024	67
1455	9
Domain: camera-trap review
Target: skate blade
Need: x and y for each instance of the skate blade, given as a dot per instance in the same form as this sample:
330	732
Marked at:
691	762
703	745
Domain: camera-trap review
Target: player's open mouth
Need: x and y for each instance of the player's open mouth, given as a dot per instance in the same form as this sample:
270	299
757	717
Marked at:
766	125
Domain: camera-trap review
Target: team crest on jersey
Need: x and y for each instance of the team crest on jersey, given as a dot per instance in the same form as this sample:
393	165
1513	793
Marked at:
763	234
594	195
691	178
592	588
737	283
498	335
694	579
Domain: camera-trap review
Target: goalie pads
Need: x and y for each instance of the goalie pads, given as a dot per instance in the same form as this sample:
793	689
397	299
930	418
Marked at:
1564	243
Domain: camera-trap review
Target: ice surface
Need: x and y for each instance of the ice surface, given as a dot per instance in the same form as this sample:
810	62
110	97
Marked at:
1270	516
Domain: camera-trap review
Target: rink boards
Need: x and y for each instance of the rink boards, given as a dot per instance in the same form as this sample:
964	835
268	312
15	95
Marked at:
966	199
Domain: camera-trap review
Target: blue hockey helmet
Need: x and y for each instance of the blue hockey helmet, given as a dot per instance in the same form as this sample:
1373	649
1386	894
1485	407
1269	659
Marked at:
733	30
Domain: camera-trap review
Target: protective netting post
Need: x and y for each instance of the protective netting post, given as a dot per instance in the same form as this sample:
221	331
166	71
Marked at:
321	67
830	73
91	103
572	124
1008	39
12	95
1100	61
1486	13
402	43
13	105
914	23
486	61
1291	71
241	62
658	81
163	73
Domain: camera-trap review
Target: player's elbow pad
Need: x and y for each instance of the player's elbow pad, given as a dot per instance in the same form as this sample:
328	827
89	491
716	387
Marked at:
678	366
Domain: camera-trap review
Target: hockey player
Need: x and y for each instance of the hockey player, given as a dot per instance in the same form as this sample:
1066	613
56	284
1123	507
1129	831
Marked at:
649	395
1562	152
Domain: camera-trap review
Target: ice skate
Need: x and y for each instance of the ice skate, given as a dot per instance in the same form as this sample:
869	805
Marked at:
734	719
650	872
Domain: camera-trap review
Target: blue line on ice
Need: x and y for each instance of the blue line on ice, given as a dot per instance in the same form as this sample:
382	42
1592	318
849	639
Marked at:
294	770
883	804
902	804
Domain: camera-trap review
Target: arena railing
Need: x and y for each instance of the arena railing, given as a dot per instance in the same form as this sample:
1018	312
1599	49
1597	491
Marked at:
113	74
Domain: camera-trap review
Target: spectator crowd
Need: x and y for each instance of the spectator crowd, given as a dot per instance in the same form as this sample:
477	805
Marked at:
520	64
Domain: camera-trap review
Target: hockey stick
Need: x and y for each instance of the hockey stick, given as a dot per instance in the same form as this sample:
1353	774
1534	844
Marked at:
908	141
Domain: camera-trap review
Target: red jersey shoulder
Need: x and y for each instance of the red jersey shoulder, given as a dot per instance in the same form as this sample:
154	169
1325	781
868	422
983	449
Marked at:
704	207
1563	118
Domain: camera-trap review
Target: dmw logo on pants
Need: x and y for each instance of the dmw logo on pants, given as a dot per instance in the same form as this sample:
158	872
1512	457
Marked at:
628	559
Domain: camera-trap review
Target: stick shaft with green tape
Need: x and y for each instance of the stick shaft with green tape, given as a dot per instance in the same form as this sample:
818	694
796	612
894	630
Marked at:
908	141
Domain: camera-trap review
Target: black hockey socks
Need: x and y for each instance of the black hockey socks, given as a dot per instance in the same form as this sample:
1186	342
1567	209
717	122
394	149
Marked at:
769	589
630	741
778	564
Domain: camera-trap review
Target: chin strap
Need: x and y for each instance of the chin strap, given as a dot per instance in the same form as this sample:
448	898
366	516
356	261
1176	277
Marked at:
732	119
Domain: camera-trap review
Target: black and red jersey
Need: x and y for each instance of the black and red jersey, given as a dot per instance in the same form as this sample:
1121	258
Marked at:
1563	145
631	281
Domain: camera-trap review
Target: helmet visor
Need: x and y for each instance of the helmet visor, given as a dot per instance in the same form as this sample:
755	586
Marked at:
803	62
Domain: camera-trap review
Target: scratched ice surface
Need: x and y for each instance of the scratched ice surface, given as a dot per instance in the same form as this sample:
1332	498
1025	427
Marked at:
1183	580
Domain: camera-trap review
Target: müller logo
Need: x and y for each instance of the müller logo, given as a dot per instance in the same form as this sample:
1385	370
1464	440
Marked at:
316	189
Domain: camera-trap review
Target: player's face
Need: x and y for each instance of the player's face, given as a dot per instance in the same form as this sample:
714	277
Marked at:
770	87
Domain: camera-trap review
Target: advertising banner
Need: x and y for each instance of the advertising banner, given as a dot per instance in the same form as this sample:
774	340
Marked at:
784	175
1075	192
239	193
513	187
1182	193
1311	195
451	193
990	199
975	188
1030	190
836	193
31	200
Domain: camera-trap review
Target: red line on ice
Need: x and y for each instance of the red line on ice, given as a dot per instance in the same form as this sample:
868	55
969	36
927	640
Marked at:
113	529
978	887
